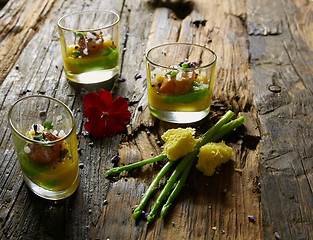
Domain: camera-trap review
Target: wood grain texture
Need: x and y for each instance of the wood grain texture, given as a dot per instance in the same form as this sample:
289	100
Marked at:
263	72
281	65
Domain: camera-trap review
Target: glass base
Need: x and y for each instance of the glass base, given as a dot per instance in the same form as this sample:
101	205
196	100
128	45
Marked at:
94	80
179	116
51	195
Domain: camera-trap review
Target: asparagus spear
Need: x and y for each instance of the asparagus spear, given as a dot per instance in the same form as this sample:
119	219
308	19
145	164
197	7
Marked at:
137	164
213	134
190	157
226	128
151	188
176	190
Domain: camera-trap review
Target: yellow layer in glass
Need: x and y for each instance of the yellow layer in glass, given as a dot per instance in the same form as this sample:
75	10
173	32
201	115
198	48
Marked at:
155	100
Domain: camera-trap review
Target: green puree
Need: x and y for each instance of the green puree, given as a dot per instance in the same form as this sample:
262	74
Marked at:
105	60
197	92
30	168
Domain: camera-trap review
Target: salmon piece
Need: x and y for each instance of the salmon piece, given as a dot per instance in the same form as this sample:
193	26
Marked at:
171	85
90	44
168	86
41	154
183	86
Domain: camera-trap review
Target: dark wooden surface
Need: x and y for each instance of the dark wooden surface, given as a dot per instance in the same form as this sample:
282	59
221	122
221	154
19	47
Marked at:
264	72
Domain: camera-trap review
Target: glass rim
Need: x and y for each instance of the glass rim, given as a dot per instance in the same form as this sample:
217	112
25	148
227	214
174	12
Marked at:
88	30
35	141
180	43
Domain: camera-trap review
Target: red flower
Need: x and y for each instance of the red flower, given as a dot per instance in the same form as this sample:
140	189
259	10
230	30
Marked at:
104	116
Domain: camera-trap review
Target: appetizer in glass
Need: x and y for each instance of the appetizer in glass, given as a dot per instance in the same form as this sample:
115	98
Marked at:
90	46
180	91
46	150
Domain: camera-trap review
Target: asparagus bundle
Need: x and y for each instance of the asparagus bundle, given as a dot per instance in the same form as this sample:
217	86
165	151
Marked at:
222	127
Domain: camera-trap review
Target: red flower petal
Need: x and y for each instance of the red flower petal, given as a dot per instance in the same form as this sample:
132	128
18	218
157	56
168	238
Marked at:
95	128
92	113
105	117
105	98
118	105
92	100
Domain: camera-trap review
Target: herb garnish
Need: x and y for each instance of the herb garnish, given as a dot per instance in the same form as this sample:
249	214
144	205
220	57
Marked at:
173	73
48	125
80	34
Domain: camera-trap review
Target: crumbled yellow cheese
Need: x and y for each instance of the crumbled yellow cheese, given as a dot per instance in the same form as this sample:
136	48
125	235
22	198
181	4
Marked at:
212	155
178	142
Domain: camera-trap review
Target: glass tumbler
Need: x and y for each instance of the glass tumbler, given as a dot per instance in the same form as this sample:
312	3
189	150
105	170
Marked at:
180	81
44	135
90	44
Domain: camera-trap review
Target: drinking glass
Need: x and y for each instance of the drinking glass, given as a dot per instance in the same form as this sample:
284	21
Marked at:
180	81
44	135
90	44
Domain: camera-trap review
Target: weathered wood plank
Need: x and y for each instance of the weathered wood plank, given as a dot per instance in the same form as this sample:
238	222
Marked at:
19	21
281	57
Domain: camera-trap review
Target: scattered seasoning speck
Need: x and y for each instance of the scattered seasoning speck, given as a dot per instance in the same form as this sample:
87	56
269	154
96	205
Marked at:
144	213
251	218
277	236
42	113
91	144
225	190
158	142
115	159
137	76
134	207
147	131
122	79
214	228
81	165
152	153
79	150
238	170
105	202
89	211
85	134
161	163
140	108
83	93
17	67
173	224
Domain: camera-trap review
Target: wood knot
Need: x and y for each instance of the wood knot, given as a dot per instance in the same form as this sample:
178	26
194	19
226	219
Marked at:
181	9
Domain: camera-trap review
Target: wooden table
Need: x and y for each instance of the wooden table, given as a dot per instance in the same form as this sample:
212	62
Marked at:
264	72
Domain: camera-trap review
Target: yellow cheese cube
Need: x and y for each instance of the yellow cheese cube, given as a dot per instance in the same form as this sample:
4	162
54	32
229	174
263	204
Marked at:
212	155
178	142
